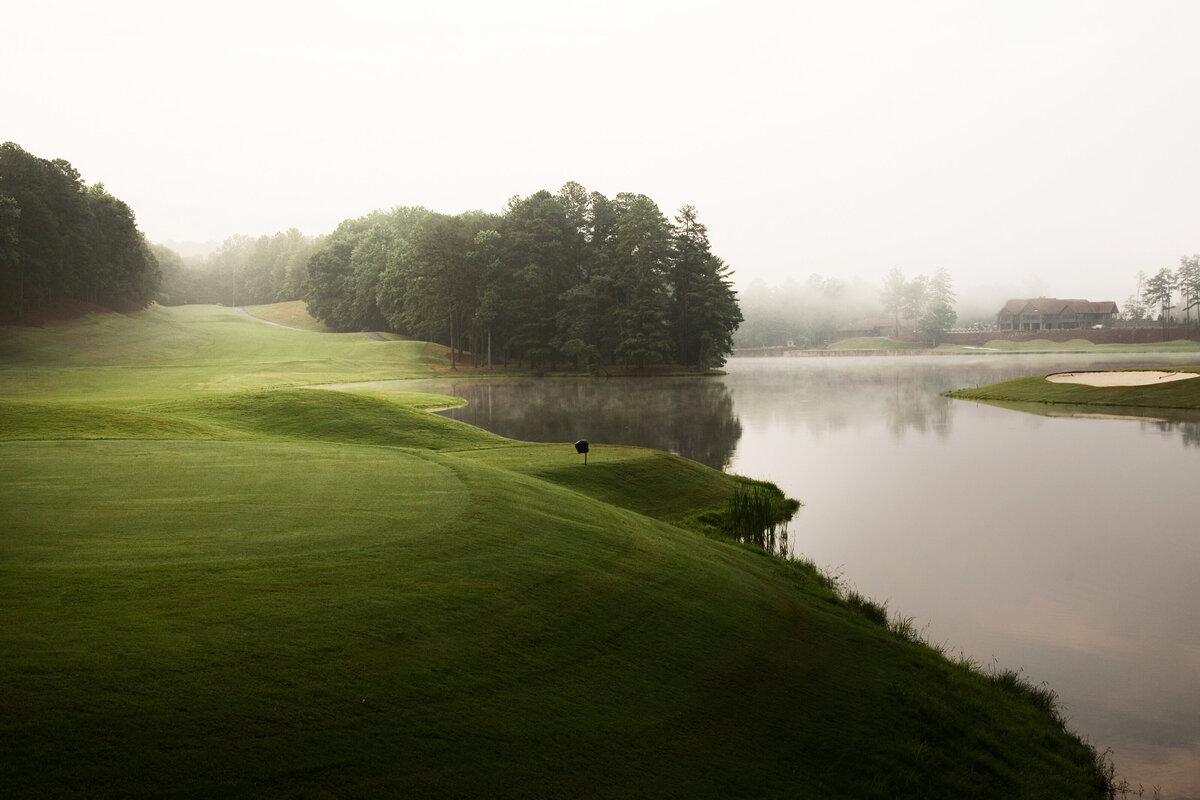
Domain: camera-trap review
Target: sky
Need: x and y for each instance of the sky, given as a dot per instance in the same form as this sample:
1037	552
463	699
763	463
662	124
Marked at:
1026	147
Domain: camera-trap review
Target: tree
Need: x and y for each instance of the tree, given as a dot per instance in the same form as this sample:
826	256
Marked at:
912	305
715	316
11	284
893	296
1159	290
704	309
1187	279
1135	306
443	290
819	305
124	269
641	251
489	311
536	246
228	263
330	285
590	306
61	240
937	315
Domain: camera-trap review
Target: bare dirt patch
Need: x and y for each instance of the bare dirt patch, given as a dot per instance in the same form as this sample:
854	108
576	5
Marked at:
1130	378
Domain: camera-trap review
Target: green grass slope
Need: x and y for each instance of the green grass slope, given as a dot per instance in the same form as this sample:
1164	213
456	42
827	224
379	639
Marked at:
875	343
214	588
1183	394
1085	346
293	314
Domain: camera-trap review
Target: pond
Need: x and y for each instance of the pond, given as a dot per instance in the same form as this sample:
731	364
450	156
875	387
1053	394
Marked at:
1064	547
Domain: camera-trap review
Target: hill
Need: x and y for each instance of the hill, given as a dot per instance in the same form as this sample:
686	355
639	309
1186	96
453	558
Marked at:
217	581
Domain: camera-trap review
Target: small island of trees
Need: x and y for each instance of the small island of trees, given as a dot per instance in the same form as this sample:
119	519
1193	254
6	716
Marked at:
573	278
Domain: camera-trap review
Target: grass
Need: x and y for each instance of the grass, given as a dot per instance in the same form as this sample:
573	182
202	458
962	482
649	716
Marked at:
875	343
293	314
1175	395
1085	346
882	343
216	582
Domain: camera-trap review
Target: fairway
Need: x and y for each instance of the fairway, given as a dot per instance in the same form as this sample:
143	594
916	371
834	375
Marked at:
154	503
217	582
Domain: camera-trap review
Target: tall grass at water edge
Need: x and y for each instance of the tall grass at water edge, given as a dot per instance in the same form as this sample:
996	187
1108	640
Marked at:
759	515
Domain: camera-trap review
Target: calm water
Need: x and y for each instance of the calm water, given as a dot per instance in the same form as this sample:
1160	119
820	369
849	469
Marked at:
1065	547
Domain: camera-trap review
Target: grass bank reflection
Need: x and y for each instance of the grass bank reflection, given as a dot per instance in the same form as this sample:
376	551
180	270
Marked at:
691	417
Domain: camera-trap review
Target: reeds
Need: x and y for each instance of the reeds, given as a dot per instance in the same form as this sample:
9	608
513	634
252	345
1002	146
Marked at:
759	515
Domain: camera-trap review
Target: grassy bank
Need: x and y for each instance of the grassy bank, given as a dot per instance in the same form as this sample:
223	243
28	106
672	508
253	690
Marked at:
886	346
292	314
1085	346
1178	395
217	582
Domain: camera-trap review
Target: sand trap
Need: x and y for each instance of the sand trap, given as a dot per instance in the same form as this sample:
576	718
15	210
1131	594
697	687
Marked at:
1138	378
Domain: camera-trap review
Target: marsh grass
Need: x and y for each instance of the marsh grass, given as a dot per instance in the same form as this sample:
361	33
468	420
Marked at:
758	514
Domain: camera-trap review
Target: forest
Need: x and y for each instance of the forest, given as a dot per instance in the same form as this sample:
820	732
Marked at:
569	279
62	240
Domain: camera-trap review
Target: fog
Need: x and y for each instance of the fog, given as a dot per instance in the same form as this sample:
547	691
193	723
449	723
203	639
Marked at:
1009	143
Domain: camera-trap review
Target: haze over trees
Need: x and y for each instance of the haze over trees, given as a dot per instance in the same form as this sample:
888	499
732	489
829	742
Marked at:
62	240
1157	292
241	271
808	314
568	278
822	310
573	277
1187	280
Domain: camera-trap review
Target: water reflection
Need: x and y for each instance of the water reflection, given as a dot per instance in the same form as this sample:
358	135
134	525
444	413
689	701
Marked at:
1061	546
1166	421
691	417
1189	431
828	394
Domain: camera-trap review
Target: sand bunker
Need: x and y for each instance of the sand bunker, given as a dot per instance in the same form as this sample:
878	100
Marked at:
1133	378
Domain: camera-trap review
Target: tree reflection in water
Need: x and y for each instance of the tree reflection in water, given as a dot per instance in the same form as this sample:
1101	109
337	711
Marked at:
697	417
1189	431
691	417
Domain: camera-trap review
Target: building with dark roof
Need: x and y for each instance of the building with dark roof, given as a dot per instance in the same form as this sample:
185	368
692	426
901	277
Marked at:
1052	314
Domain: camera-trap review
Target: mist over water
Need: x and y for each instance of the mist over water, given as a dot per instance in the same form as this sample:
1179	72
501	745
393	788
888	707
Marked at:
1064	547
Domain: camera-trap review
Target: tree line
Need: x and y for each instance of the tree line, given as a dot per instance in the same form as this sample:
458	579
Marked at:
569	278
61	240
573	277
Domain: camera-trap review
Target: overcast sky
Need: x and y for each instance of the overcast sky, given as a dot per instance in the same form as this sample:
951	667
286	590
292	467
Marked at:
1021	145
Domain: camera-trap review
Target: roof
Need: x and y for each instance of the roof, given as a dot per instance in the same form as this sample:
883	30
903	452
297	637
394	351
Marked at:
1053	305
